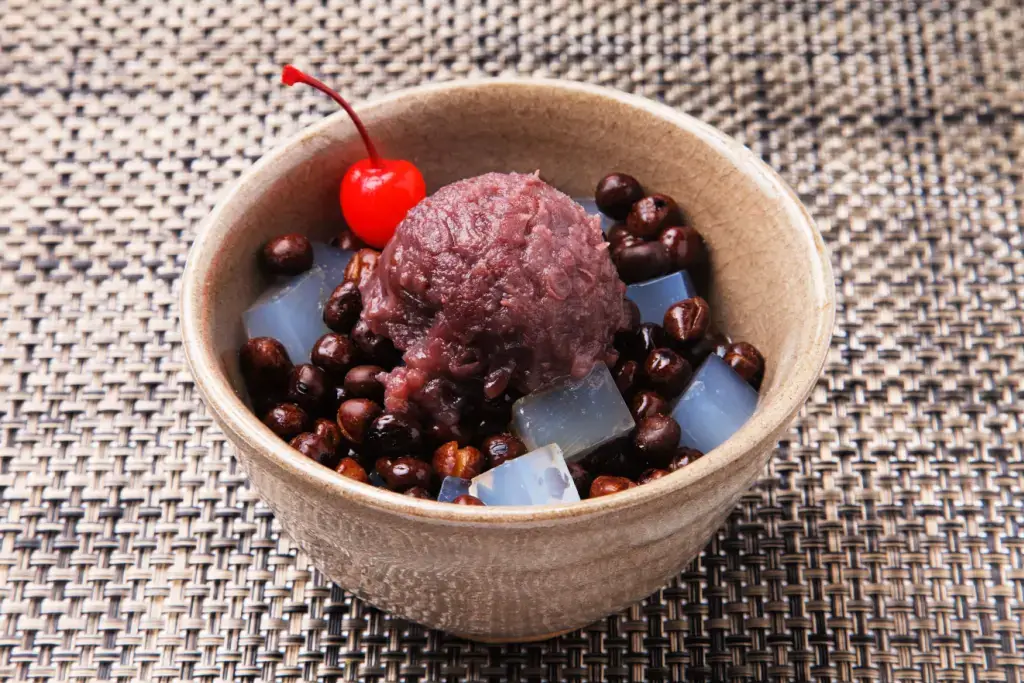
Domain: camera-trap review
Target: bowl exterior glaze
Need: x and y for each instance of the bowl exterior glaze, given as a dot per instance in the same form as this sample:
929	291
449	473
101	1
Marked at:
518	573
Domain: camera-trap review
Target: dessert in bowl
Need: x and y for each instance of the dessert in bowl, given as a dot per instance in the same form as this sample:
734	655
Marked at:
519	572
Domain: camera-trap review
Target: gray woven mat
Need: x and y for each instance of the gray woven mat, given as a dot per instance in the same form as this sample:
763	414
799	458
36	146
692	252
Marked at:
885	541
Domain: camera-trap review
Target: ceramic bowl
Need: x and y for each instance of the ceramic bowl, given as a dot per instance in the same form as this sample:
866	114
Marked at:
514	574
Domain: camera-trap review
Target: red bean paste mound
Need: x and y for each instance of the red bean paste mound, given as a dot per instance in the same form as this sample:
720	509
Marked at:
499	278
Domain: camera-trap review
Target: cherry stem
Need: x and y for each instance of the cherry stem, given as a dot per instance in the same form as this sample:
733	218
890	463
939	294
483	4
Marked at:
290	76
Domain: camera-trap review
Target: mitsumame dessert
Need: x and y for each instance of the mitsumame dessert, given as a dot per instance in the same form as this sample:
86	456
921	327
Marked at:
496	342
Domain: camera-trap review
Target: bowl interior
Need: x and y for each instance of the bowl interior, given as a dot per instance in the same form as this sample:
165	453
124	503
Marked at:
771	282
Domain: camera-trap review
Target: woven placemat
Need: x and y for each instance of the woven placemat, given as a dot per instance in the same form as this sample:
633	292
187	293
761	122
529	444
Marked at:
883	543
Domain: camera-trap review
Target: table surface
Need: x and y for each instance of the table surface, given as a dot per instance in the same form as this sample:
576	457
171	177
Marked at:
883	543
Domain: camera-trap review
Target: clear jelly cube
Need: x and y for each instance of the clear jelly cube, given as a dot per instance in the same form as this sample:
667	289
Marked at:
578	415
292	313
292	309
715	404
590	206
332	261
538	478
452	488
654	297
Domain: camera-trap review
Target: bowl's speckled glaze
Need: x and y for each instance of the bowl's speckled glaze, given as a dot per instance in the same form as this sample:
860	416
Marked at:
518	573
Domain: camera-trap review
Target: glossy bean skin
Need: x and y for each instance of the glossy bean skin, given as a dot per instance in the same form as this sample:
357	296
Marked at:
606	485
616	193
355	417
287	255
652	214
500	448
747	361
687	321
656	439
287	420
452	461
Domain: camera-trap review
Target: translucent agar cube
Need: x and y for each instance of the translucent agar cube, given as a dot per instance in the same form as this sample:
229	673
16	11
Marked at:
578	415
292	309
538	478
715	404
332	261
291	312
654	297
452	488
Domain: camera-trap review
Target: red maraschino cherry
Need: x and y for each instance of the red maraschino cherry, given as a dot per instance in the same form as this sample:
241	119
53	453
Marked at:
376	193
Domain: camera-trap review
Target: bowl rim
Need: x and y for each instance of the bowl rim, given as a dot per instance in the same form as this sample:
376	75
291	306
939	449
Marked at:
238	419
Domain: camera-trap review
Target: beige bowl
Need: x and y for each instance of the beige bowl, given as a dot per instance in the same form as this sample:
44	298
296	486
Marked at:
518	573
